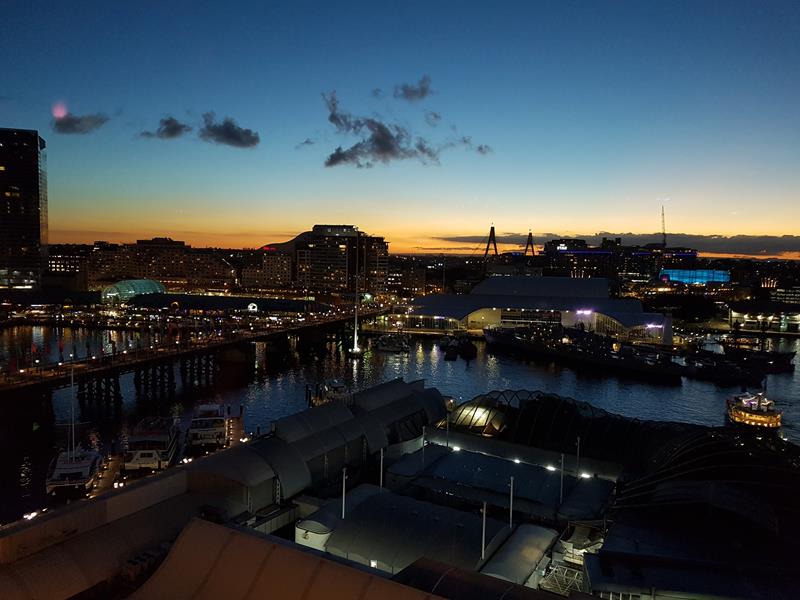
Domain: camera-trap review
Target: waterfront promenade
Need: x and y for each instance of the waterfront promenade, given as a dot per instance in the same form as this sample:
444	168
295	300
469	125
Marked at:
168	349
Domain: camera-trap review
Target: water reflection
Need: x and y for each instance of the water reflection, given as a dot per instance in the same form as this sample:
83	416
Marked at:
272	384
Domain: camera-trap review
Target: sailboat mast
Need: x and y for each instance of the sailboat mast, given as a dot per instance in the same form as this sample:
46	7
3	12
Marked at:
72	413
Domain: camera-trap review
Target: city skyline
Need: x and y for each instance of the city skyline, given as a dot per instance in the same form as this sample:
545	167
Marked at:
424	132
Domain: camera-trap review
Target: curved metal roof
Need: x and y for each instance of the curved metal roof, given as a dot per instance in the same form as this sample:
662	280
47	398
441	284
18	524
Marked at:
241	464
122	291
286	462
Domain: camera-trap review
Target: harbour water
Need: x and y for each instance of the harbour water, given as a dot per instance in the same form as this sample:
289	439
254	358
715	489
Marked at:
275	386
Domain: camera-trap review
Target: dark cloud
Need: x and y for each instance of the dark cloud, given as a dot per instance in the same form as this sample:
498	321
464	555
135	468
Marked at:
432	118
305	142
79	124
751	245
381	142
377	93
168	128
411	92
227	132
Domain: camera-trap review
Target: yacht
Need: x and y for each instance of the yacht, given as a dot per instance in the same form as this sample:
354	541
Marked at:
152	445
208	427
755	410
74	471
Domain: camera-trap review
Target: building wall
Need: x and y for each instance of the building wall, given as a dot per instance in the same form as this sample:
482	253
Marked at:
23	208
170	262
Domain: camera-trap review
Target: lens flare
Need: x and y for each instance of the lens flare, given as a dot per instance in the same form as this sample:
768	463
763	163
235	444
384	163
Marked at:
60	110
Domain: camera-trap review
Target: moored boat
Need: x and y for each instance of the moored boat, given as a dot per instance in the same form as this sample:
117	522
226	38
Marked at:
332	390
152	445
392	342
208	428
754	410
74	471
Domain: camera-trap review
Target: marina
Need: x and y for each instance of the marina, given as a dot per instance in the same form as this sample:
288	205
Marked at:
275	385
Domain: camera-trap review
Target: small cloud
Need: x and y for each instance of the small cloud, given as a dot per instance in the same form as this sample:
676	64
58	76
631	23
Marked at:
79	124
432	118
305	142
377	93
227	132
411	92
168	128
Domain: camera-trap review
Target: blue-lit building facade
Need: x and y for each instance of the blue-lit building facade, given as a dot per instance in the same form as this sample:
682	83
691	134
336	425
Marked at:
573	257
694	276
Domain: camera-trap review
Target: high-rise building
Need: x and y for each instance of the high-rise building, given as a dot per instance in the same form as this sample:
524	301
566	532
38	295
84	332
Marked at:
23	208
326	260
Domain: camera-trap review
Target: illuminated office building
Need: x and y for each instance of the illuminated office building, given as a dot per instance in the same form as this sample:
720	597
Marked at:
23	208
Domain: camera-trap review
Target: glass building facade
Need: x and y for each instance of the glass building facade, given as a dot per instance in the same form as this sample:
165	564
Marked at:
23	208
122	291
695	276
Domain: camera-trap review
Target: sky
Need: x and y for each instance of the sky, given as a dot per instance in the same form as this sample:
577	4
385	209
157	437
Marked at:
243	123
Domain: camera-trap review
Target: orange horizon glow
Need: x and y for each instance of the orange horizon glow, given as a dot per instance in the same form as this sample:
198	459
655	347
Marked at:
423	245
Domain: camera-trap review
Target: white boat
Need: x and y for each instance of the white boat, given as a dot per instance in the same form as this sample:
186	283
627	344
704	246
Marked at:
74	471
152	445
209	427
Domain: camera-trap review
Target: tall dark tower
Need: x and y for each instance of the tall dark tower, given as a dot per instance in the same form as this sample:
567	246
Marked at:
491	242
529	244
23	208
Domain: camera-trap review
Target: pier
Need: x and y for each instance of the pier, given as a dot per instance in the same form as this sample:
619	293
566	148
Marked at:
97	376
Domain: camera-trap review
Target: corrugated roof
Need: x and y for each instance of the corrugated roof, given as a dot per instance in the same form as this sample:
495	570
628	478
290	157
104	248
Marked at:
212	561
240	463
286	462
519	555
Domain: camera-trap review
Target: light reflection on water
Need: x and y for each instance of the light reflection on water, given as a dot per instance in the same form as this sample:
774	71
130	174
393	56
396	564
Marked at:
276	384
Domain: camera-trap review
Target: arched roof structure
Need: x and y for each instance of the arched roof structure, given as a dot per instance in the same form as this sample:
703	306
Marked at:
122	291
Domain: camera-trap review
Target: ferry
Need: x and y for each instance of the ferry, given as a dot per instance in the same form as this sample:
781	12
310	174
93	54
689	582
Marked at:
755	410
208	428
152	445
74	472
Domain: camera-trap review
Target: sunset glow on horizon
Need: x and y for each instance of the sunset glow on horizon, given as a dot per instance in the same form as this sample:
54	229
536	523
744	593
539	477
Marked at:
565	120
